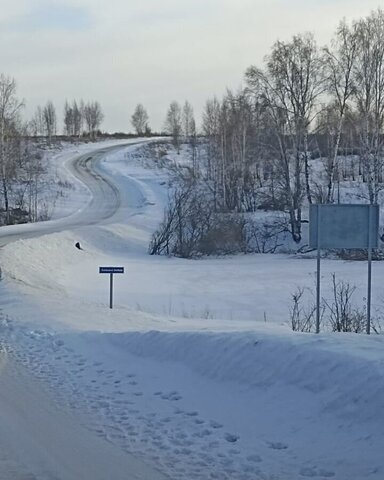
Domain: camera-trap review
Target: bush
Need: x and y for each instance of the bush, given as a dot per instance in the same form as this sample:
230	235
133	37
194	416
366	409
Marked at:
338	314
303	319
225	236
192	227
343	316
263	236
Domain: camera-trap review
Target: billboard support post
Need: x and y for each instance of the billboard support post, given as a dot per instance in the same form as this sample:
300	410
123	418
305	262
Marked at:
318	272
369	292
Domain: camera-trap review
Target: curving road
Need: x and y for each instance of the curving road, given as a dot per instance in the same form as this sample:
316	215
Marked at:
104	203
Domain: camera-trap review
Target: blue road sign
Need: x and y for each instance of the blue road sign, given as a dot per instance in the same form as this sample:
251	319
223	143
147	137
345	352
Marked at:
111	269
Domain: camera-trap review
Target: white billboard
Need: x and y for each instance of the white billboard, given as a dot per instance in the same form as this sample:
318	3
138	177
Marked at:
343	226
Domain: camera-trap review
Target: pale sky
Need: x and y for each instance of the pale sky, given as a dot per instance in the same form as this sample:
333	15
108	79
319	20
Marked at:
124	52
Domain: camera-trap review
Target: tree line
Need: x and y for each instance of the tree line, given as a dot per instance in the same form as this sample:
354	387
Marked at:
80	119
307	120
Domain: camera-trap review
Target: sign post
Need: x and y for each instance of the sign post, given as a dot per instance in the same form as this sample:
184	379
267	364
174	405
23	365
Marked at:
111	271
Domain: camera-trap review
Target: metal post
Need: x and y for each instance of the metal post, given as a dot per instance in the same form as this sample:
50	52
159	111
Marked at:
110	290
369	293
318	273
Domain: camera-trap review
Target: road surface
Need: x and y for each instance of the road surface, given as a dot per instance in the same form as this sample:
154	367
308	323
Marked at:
105	200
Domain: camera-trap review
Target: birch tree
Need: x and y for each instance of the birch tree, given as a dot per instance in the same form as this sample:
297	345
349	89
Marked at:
139	120
78	118
173	124
189	131
93	116
211	130
10	107
289	89
339	61
369	96
49	120
68	120
37	122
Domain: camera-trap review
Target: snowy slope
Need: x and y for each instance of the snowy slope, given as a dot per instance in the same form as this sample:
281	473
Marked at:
184	372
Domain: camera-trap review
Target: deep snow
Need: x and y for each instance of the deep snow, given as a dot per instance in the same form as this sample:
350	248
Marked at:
195	370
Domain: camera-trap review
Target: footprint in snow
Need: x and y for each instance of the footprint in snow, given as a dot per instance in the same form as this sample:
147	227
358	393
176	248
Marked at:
234	451
165	420
214	424
203	433
313	472
172	396
254	458
277	445
231	438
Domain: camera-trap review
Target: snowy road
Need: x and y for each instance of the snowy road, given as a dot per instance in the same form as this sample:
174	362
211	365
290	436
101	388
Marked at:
104	199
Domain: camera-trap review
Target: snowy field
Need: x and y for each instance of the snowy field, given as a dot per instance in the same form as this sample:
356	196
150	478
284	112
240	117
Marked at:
195	373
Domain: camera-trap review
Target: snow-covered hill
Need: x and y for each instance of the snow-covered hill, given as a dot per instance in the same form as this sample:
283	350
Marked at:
195	371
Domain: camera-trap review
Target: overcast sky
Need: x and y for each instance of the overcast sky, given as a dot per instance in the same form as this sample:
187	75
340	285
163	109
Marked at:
124	52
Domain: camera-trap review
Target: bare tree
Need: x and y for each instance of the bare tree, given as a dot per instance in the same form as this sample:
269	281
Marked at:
30	184
188	120
339	63
78	118
68	120
173	124
37	122
189	130
10	107
369	95
73	118
211	131
139	120
267	90
49	120
289	91
93	117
